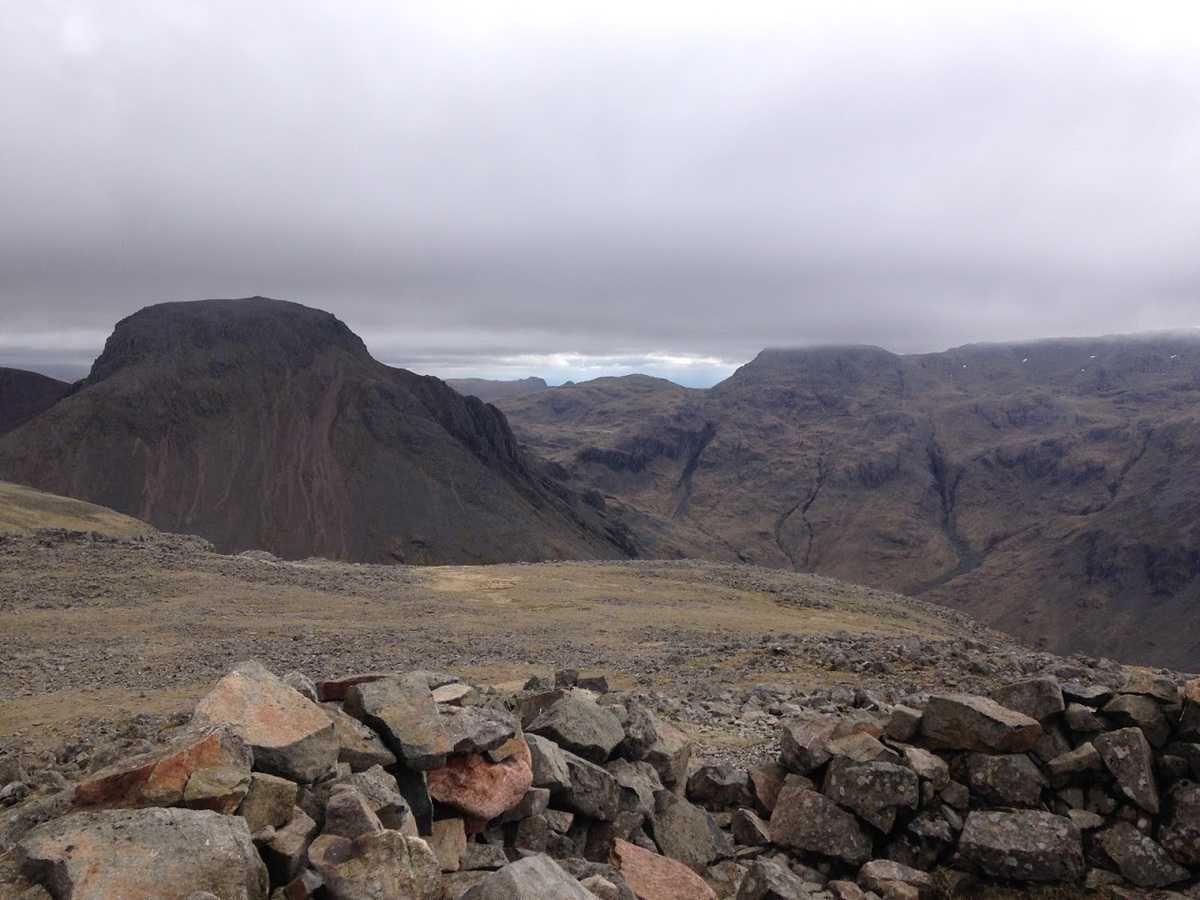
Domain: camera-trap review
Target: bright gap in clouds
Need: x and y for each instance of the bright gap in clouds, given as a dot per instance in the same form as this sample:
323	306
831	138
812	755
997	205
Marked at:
557	368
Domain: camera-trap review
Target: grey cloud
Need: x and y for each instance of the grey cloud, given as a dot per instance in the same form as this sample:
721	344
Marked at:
477	193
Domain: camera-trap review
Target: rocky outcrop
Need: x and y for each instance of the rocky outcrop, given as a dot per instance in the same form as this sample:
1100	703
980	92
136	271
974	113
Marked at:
973	791
24	395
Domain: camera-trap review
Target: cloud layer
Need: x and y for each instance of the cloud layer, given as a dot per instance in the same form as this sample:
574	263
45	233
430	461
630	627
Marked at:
565	189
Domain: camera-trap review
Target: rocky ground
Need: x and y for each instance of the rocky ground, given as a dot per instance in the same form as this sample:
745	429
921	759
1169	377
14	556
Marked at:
100	631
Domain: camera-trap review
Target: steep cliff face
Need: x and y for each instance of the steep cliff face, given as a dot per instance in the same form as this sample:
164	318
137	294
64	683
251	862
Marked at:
25	394
261	423
1049	488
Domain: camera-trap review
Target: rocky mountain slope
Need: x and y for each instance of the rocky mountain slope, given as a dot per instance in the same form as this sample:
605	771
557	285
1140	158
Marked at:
264	424
489	390
24	511
1047	488
25	394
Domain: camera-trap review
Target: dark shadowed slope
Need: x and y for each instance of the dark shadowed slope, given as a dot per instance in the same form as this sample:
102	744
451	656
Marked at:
266	424
25	394
489	390
1051	489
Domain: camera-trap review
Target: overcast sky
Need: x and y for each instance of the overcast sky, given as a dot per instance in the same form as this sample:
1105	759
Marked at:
569	189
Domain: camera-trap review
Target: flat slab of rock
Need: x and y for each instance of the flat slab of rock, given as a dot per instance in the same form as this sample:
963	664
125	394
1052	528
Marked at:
160	777
533	878
804	744
140	854
656	877
479	788
1006	779
581	726
592	790
291	736
806	820
685	832
477	729
1180	833
1141	859
968	722
1127	755
402	709
769	880
1026	845
549	765
1038	698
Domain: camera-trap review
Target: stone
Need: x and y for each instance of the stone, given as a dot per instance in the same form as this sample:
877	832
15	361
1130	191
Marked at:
725	878
597	684
268	802
290	735
358	746
874	790
806	820
453	693
284	852
883	875
349	814
485	790
402	709
766	782
534	803
1188	728
749	830
592	791
639	784
656	877
580	726
903	724
1180	831
1010	779
220	789
1084	820
599	886
1084	758
1024	845
335	689
533	878
670	755
1053	742
1139	711
1158	687
1038	698
861	747
769	880
641	730
548	763
413	787
377	865
160	777
687	833
848	890
1084	719
1140	859
449	842
1085	693
301	684
132	853
478	729
804	744
1126	754
719	787
928	766
968	722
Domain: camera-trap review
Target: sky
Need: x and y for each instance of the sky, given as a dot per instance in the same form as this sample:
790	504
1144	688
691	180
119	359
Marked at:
571	189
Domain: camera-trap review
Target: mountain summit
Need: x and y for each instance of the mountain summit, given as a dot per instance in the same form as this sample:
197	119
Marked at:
259	423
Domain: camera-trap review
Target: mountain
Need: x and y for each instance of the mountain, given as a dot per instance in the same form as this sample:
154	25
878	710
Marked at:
489	391
1049	488
259	423
25	394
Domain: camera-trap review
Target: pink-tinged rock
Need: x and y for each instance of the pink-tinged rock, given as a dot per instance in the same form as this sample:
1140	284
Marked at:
160	777
656	877
291	736
479	788
145	854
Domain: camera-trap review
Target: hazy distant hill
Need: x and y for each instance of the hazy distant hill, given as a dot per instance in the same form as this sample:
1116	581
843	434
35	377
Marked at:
25	394
1050	488
264	424
488	390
